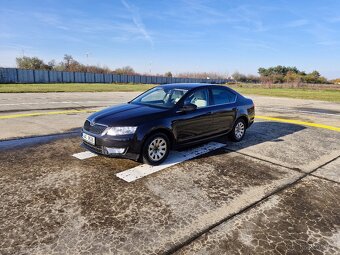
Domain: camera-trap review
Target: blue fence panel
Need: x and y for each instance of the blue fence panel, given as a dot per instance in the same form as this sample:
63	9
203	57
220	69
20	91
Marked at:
98	77
124	78
137	79
116	78
89	77
13	75
55	76
153	80
68	77
79	77
143	79
108	78
25	76
41	76
158	80
8	75
163	80
130	79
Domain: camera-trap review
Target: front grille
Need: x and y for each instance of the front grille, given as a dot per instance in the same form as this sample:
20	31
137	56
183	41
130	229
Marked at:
95	148
95	129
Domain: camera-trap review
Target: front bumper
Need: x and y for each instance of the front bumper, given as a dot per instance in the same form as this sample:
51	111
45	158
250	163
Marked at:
104	145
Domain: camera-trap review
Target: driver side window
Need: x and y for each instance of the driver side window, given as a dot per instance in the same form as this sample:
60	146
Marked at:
199	98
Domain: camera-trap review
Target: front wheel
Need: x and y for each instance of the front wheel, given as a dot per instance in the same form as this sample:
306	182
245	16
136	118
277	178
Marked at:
238	131
156	149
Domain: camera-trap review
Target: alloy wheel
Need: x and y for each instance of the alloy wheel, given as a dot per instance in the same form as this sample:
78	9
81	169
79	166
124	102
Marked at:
157	149
239	130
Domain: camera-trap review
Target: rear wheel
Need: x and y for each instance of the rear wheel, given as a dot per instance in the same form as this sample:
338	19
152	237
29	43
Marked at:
238	131
156	149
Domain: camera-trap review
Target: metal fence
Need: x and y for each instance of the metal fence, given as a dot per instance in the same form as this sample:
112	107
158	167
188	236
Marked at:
14	75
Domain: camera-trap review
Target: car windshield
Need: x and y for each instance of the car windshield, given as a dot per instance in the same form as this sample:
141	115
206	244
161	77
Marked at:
160	97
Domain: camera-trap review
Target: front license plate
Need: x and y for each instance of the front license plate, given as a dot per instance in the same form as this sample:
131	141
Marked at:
90	139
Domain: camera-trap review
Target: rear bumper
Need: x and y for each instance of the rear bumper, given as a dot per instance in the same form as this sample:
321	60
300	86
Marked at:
251	121
128	146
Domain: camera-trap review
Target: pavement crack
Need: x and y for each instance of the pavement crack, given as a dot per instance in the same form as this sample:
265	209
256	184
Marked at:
185	243
265	160
324	178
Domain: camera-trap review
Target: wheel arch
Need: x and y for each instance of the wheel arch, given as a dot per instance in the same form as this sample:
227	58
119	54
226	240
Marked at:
245	118
163	130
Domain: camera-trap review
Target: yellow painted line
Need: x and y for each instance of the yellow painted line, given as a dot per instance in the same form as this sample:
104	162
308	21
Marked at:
298	122
14	116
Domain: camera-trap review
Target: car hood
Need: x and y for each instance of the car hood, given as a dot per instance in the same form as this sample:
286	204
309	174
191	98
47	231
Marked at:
126	115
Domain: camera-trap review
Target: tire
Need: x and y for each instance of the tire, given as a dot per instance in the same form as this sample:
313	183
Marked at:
156	149
238	131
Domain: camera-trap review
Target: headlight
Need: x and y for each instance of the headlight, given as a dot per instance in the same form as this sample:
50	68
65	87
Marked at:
114	131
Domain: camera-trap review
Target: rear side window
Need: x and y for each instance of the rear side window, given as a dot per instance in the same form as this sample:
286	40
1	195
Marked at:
222	96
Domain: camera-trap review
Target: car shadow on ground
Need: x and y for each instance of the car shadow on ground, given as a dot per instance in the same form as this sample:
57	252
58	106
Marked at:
259	132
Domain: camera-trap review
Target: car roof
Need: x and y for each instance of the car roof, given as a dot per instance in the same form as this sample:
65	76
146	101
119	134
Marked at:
186	85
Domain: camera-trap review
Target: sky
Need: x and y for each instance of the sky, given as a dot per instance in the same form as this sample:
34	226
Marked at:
221	36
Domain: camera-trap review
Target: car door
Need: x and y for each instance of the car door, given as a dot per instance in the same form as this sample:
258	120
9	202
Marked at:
196	124
223	109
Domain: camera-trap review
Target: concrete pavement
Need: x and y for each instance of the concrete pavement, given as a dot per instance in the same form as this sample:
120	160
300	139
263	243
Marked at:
275	192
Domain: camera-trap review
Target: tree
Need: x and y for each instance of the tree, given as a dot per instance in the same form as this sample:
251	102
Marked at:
336	81
68	59
292	77
127	70
168	74
279	74
31	63
239	77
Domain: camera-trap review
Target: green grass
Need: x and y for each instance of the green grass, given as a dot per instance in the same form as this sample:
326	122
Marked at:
332	95
315	94
72	87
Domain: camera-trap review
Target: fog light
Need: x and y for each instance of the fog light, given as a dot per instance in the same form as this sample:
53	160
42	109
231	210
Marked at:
115	150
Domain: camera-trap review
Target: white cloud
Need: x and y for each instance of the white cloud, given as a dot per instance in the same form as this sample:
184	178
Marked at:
137	20
297	23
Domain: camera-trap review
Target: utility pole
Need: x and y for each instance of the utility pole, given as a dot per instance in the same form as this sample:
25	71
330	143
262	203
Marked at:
87	61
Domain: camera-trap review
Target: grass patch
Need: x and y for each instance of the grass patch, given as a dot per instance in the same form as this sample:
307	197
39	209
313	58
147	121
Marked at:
315	94
327	94
72	87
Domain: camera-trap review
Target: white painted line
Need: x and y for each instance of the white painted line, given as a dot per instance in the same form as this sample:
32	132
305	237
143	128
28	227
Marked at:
174	158
84	155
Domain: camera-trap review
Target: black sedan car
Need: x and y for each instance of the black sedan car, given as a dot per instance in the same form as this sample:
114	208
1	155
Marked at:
168	117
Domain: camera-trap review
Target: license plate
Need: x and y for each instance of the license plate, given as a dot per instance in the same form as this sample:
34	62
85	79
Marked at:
90	139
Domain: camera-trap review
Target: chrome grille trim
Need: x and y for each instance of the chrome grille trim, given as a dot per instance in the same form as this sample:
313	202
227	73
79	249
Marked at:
97	128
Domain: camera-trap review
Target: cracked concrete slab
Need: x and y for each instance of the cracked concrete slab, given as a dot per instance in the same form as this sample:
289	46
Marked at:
330	171
303	219
53	203
289	145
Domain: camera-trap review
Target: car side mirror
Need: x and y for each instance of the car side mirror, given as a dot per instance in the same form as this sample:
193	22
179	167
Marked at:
188	108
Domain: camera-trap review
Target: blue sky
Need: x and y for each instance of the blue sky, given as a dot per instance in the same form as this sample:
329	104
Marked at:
177	35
